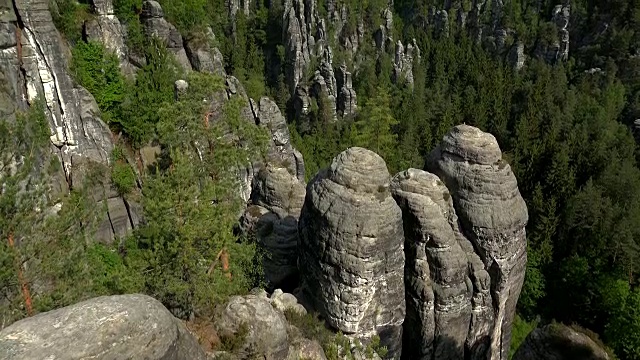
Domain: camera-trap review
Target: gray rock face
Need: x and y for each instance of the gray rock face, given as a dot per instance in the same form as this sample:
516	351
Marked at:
438	287
558	50
106	29
33	61
152	18
347	99
559	342
516	56
404	60
267	327
281	151
203	58
493	217
276	189
351	249
282	195
113	327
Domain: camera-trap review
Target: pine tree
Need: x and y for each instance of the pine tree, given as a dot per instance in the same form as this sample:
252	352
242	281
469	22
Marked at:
373	128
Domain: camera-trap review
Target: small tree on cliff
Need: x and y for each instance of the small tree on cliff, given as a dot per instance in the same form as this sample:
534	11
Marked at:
191	204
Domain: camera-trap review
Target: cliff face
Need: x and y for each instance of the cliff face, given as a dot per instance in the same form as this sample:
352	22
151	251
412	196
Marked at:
33	63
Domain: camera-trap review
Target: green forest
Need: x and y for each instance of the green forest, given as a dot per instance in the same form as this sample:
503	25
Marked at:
565	129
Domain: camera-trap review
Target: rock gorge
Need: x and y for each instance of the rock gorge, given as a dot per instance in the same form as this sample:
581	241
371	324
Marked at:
432	262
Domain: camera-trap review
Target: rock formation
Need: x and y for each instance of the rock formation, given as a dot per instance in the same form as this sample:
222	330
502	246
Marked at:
33	63
108	327
559	342
404	60
438	287
351	249
493	217
152	18
281	194
267	335
347	98
202	56
106	29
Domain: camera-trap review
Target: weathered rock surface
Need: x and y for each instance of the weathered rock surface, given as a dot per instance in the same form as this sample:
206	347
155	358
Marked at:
203	57
267	327
438	287
281	195
559	342
347	98
152	18
351	249
493	217
113	327
33	63
404	60
107	29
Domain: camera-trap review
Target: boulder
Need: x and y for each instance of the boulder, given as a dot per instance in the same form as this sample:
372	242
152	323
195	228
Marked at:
351	249
559	342
493	217
266	327
108	327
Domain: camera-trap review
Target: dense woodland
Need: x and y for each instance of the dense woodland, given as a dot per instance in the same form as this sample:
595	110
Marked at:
567	133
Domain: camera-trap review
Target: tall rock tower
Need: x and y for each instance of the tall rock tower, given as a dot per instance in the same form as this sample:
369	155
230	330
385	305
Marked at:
351	249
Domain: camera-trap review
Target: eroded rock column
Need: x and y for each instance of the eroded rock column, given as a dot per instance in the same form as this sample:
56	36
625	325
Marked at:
493	216
351	249
438	289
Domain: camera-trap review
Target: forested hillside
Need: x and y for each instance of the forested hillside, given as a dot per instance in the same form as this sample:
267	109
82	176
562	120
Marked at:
556	82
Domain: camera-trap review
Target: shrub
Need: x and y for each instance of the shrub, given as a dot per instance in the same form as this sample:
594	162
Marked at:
99	72
69	17
123	177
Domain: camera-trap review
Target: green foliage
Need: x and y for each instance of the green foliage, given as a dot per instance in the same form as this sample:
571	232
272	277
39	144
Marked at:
336	346
186	15
191	207
69	17
622	331
98	71
521	328
233	342
122	175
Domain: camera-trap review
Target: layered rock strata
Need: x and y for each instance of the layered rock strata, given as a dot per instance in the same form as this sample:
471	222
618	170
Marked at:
493	217
33	63
438	287
351	249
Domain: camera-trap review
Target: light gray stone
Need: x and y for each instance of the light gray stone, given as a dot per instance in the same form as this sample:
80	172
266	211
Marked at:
108	327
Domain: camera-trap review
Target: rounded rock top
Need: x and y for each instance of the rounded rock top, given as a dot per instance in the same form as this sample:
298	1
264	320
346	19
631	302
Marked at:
361	170
472	144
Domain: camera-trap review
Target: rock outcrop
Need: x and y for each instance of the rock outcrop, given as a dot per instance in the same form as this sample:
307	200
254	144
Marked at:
155	25
33	63
107	29
266	335
493	217
404	62
281	194
202	56
347	98
351	249
559	342
438	287
113	327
